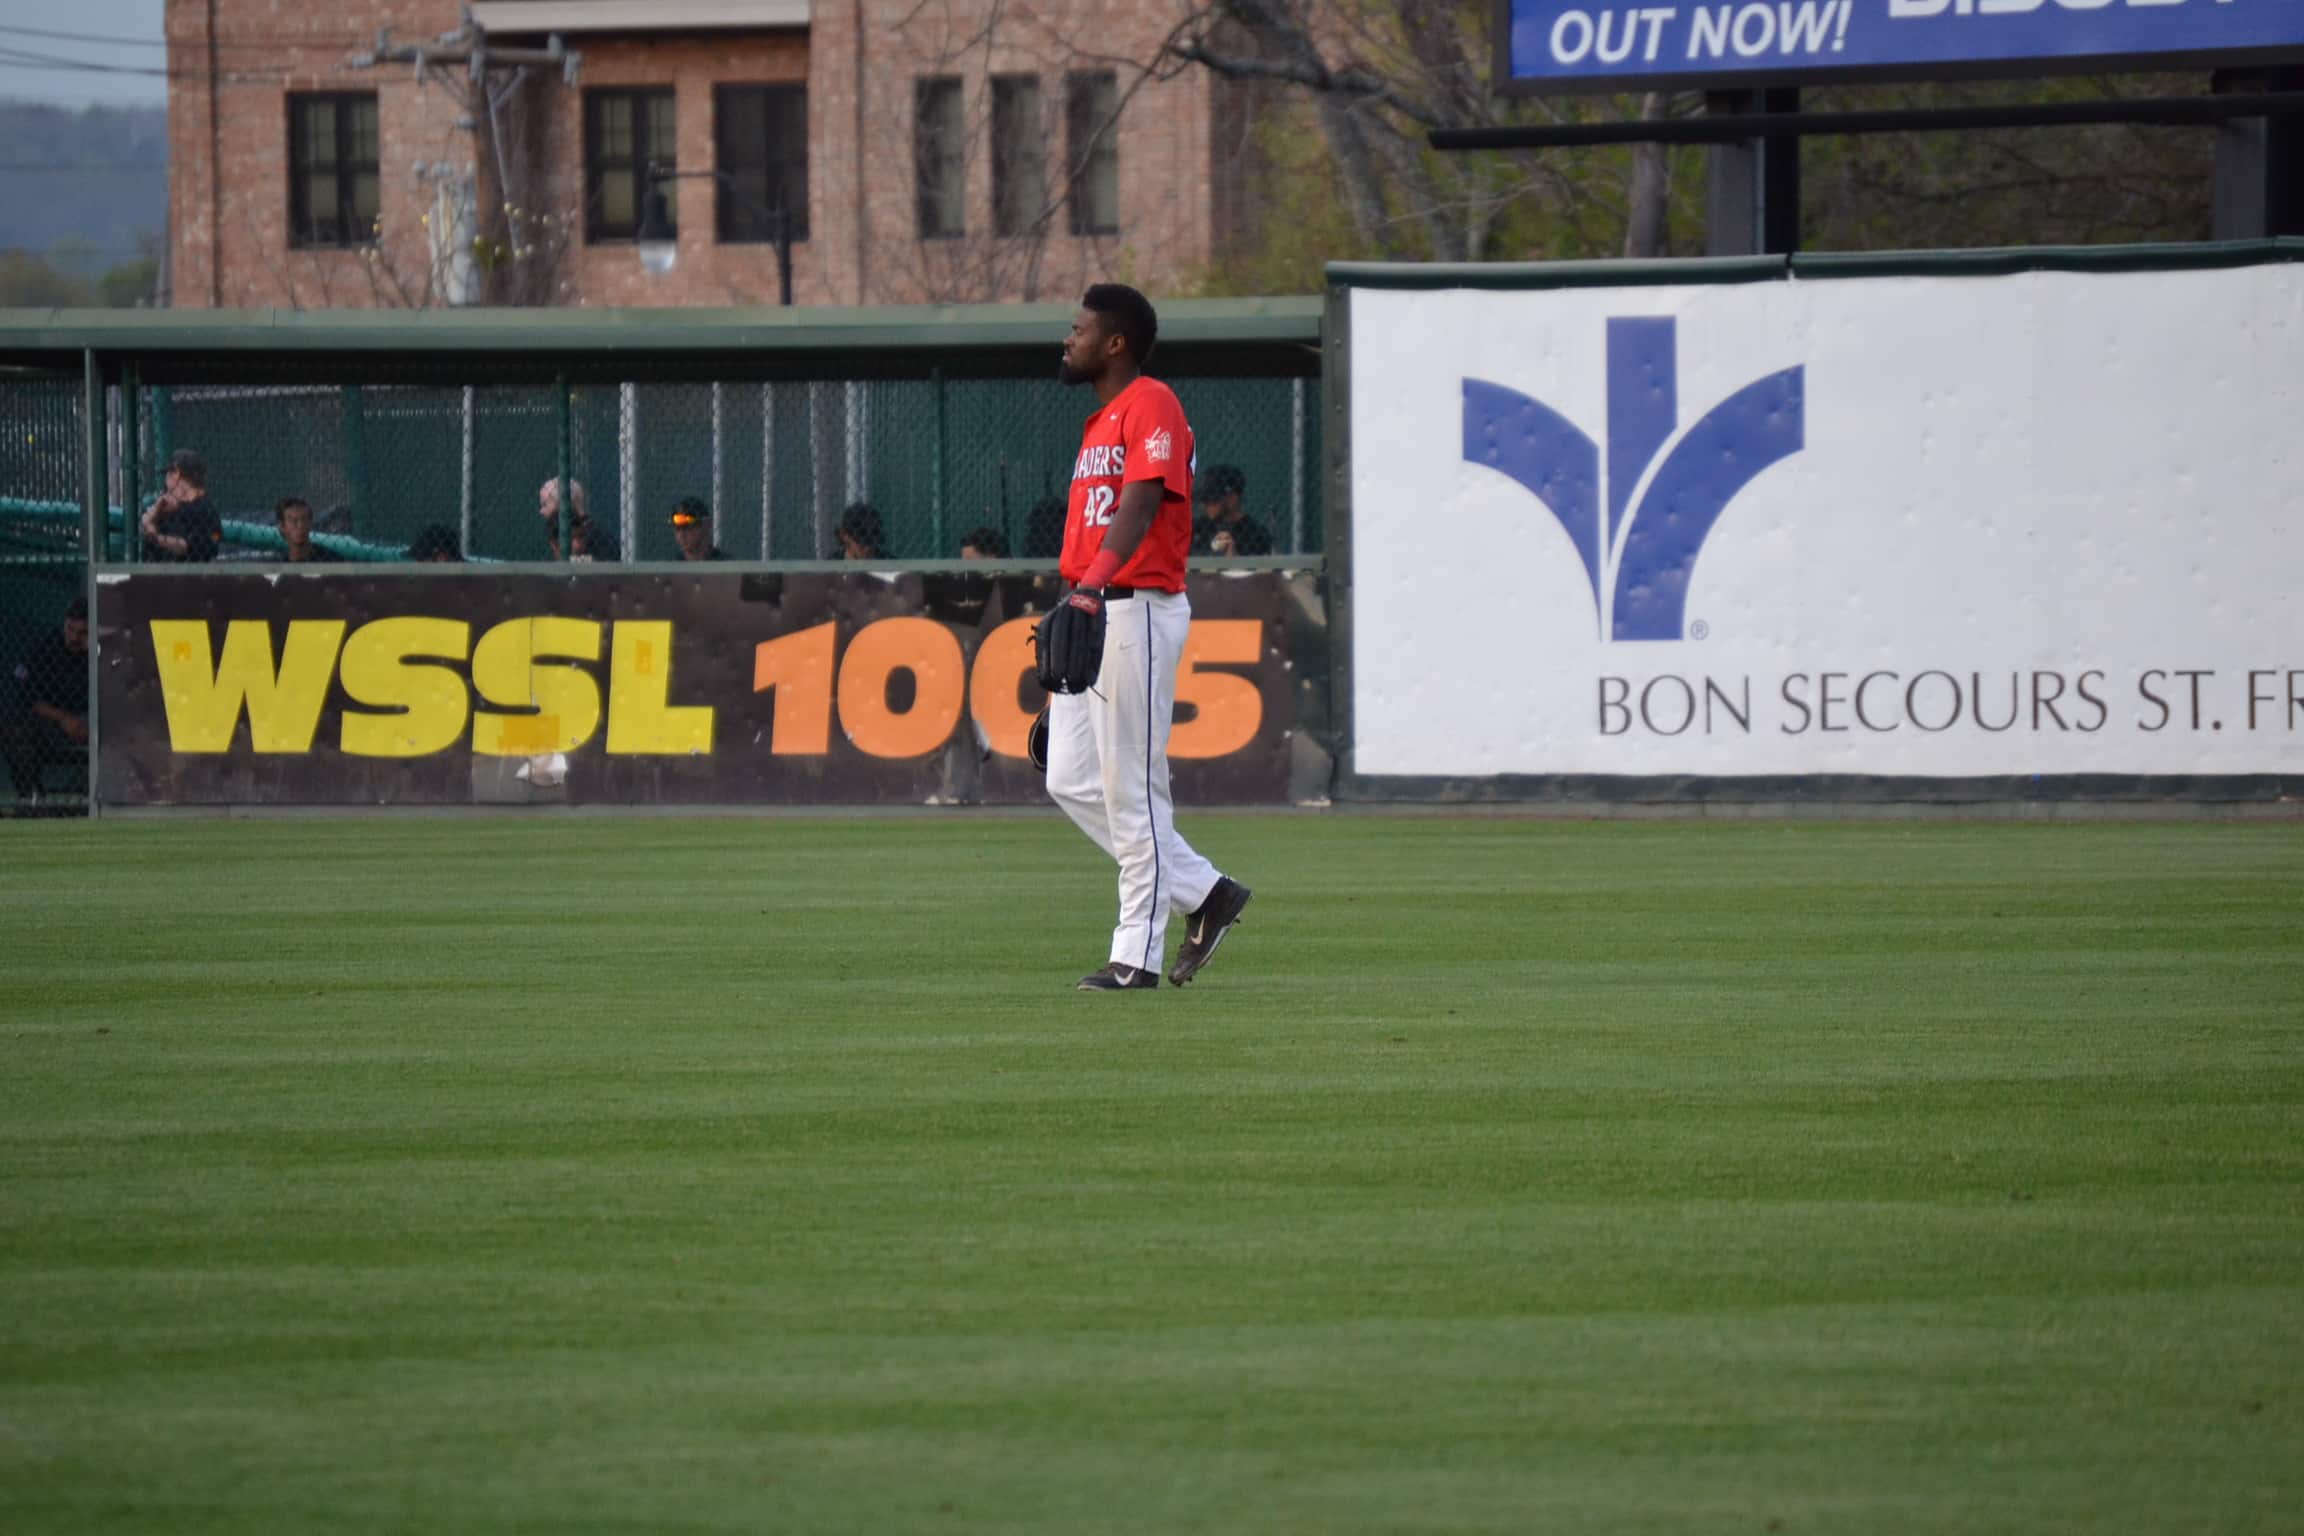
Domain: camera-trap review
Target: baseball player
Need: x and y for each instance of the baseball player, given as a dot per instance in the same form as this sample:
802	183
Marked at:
1122	627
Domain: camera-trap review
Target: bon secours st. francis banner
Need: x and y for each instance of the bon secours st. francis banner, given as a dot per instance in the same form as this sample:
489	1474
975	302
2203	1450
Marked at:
1618	44
719	688
1945	528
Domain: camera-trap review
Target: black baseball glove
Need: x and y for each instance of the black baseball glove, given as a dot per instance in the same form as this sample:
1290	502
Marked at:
1070	641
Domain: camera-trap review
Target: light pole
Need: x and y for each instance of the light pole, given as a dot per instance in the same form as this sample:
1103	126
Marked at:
660	246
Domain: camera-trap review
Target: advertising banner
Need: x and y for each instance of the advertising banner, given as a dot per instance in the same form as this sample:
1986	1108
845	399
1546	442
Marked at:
471	687
2046	524
1613	45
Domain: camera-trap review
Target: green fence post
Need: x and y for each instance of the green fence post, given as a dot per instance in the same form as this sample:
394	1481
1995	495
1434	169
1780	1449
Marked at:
355	437
1299	465
95	478
567	454
94	499
936	472
131	466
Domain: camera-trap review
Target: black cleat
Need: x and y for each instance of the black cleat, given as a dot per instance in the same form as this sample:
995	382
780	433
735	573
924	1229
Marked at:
1119	978
1205	929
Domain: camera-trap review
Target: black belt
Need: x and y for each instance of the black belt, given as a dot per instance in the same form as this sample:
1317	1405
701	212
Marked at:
1118	592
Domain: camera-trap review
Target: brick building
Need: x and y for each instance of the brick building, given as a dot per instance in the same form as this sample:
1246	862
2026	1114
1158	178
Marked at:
980	151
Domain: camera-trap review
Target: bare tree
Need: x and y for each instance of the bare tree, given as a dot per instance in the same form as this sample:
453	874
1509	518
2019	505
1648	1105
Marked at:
1647	194
1012	256
1381	75
2105	183
488	233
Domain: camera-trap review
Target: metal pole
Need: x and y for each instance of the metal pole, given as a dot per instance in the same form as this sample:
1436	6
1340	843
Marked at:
628	466
1792	123
767	469
859	477
719	499
567	453
1731	182
2259	161
1779	213
131	466
1296	464
468	464
95	474
817	478
92	536
936	470
1752	190
783	258
112	477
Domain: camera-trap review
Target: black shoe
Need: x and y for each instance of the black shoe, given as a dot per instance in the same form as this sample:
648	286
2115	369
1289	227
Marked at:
1205	929
1119	978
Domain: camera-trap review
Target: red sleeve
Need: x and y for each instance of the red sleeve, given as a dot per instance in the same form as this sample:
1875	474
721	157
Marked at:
1159	442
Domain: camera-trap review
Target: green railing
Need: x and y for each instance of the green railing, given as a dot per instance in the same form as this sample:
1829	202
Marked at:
25	523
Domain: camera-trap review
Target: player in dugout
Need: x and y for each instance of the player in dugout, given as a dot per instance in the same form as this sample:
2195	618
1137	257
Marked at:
1109	650
692	530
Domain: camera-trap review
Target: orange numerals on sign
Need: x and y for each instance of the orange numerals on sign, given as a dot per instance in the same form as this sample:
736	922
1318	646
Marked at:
809	676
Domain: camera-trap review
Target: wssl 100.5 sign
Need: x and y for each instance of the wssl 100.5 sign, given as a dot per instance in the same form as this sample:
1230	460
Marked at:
1554	45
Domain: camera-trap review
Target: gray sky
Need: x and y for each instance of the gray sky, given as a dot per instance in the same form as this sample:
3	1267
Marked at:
135	20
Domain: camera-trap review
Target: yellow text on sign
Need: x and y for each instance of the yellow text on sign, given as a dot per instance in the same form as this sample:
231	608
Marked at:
411	699
808	674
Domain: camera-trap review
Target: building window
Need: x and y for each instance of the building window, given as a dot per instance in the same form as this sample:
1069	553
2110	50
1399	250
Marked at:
625	132
332	186
761	139
939	158
1019	155
1092	140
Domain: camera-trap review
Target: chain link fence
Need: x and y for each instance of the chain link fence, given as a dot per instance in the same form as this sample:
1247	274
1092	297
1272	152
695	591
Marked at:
778	463
43	574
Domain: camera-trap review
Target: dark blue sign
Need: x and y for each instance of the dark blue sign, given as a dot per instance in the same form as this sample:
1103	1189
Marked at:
1616	44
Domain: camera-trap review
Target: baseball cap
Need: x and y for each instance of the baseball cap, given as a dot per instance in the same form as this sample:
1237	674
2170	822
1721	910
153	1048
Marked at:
1220	481
687	512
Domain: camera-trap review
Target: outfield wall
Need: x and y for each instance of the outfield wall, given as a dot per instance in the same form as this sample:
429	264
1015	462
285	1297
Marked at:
1957	528
464	685
1868	529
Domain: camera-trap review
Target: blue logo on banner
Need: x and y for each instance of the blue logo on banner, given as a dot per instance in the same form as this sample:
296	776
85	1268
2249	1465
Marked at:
1567	41
1638	555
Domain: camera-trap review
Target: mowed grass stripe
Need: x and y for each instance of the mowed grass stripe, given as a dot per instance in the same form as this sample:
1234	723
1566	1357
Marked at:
727	1176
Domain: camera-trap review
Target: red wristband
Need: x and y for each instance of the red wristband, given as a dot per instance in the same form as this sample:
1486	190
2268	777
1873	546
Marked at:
1101	570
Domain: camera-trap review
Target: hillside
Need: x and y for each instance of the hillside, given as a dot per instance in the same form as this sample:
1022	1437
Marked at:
83	186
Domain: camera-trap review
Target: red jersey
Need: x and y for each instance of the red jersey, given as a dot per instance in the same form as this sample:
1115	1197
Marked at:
1140	435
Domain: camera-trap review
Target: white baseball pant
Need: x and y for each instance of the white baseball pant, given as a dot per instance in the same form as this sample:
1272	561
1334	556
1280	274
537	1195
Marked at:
1108	768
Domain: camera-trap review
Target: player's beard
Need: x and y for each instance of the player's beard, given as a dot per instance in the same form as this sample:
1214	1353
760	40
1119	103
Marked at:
1067	374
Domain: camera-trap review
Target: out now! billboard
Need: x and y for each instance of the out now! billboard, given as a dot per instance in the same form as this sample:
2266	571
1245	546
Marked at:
2042	524
720	688
1614	45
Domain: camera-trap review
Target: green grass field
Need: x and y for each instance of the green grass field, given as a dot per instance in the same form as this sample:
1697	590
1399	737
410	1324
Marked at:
766	1175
